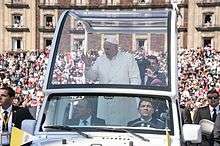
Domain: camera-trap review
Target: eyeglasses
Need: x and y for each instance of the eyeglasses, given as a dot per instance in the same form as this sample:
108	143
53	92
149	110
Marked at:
213	97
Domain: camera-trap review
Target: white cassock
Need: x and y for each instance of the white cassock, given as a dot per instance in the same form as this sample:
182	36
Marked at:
117	110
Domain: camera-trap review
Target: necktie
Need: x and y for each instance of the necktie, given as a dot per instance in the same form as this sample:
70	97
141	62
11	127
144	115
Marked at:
85	122
5	123
146	124
214	115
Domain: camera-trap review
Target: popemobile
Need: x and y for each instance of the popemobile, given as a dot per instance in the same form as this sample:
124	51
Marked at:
111	80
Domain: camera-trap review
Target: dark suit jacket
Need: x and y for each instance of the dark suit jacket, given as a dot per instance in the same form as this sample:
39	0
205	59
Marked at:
202	113
21	115
27	113
217	127
94	121
14	111
185	116
154	123
142	65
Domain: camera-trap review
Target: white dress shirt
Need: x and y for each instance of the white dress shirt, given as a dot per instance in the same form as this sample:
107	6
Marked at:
88	122
5	138
114	111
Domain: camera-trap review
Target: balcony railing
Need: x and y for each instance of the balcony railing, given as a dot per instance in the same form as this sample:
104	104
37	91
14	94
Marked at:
153	4
106	6
205	27
46	29
208	3
13	28
18	4
53	6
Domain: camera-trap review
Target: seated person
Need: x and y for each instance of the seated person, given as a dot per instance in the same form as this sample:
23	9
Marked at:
83	115
146	119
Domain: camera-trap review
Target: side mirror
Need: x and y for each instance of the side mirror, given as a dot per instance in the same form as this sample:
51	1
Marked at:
192	133
28	126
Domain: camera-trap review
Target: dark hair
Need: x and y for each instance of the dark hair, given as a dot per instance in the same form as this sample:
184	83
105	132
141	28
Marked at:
212	91
146	100
10	91
151	57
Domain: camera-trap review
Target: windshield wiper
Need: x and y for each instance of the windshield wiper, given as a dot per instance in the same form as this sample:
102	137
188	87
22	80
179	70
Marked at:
123	130
68	128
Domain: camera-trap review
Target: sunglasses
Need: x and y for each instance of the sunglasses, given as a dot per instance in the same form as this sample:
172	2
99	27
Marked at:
213	97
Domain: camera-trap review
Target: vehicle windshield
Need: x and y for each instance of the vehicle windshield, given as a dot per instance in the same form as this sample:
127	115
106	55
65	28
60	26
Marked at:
117	111
127	49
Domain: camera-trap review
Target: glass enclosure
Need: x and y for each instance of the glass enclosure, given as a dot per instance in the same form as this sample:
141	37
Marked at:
93	111
127	49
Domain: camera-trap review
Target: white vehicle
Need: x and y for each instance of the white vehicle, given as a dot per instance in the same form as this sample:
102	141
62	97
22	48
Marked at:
113	101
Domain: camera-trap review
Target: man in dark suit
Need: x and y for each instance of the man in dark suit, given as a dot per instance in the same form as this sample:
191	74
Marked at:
7	111
142	63
154	76
185	115
217	130
83	115
21	115
146	110
208	112
30	112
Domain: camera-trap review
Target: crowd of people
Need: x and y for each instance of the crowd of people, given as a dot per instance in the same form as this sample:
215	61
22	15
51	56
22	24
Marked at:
198	71
24	72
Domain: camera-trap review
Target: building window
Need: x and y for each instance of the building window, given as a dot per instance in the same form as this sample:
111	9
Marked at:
49	21
16	1
47	42
140	43
208	1
16	43
144	1
208	19
16	20
78	44
110	2
80	2
207	42
49	1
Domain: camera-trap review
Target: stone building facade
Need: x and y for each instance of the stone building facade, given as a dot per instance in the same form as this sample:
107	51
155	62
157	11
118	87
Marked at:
17	25
30	24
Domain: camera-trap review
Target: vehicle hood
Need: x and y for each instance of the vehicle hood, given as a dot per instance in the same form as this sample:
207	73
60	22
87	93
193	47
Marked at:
104	141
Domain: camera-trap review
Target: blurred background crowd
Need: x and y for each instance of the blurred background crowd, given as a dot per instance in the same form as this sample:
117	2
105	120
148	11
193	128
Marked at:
24	72
198	71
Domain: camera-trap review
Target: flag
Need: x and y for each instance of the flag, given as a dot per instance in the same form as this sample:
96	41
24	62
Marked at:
167	138
20	137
